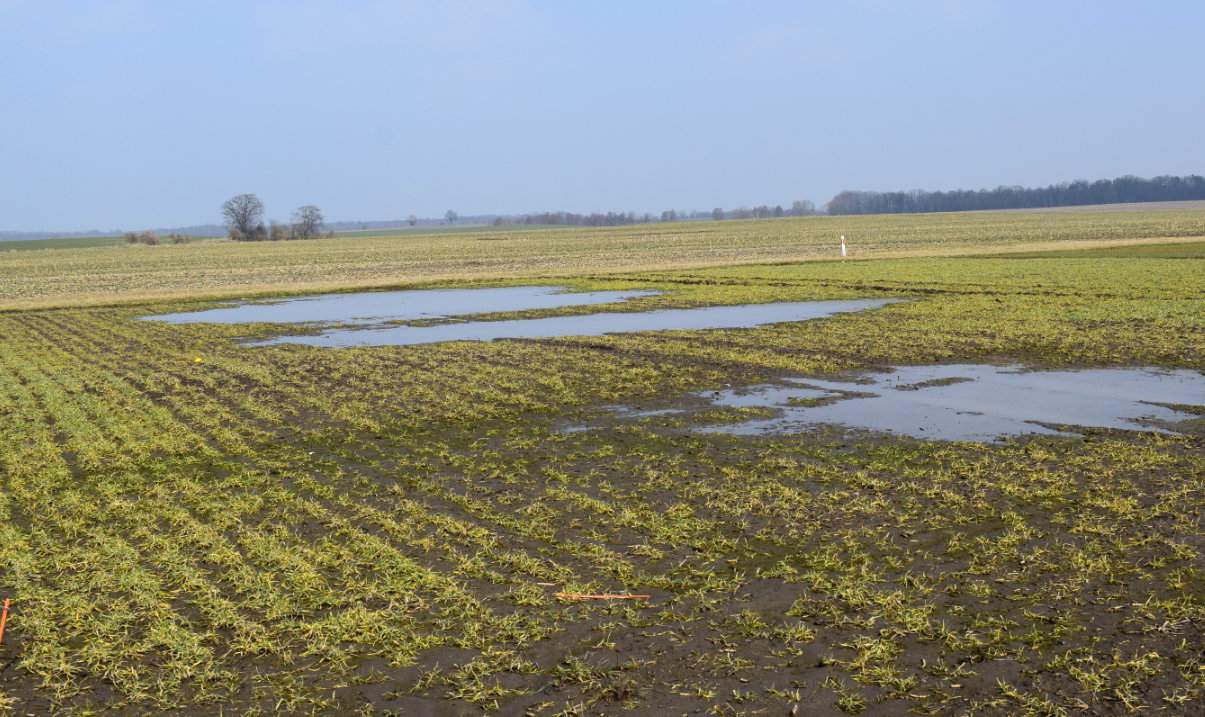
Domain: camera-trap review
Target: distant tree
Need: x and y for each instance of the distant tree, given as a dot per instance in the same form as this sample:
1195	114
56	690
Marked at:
412	220
778	213
451	216
149	238
244	217
669	215
1101	191
597	219
803	208
277	231
717	214
307	222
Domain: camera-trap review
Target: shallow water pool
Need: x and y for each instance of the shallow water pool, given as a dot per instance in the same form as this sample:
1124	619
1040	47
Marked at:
366	318
973	402
377	307
711	317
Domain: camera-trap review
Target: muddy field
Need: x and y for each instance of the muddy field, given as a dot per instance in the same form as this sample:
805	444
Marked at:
193	525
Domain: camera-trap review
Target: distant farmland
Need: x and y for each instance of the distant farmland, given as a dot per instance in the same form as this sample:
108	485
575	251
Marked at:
85	242
116	273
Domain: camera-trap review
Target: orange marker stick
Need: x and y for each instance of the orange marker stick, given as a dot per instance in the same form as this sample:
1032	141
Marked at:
608	596
3	620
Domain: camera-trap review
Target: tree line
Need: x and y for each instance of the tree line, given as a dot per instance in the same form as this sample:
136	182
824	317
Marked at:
244	215
799	208
152	238
1080	192
609	219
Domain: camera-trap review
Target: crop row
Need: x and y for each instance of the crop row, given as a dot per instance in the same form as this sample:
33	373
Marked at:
188	524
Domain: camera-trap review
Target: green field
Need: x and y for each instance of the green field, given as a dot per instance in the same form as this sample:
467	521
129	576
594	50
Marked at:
60	243
218	269
192	526
1181	250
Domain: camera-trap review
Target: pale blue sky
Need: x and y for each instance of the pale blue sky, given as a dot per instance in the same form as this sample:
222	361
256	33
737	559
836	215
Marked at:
133	113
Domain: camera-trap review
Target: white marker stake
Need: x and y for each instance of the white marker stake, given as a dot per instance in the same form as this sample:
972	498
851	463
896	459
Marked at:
842	246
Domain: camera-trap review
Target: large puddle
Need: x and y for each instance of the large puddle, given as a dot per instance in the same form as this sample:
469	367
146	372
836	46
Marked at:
712	317
362	319
377	307
972	402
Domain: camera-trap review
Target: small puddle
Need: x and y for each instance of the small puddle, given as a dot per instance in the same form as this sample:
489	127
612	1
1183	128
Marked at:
369	308
971	402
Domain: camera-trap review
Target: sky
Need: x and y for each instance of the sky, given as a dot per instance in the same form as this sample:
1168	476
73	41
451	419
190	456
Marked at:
150	113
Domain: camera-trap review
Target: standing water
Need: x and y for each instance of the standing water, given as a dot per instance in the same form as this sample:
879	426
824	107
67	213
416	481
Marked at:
364	317
376	307
974	402
711	317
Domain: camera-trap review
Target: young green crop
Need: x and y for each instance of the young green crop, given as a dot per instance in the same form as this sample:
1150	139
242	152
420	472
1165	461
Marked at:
291	530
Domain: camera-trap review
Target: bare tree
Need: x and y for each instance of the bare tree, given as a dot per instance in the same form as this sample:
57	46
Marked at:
717	214
451	216
277	231
148	237
244	216
307	222
803	208
412	220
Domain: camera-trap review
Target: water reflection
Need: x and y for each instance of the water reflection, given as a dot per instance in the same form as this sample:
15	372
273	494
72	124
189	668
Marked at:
376	307
712	317
973	402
